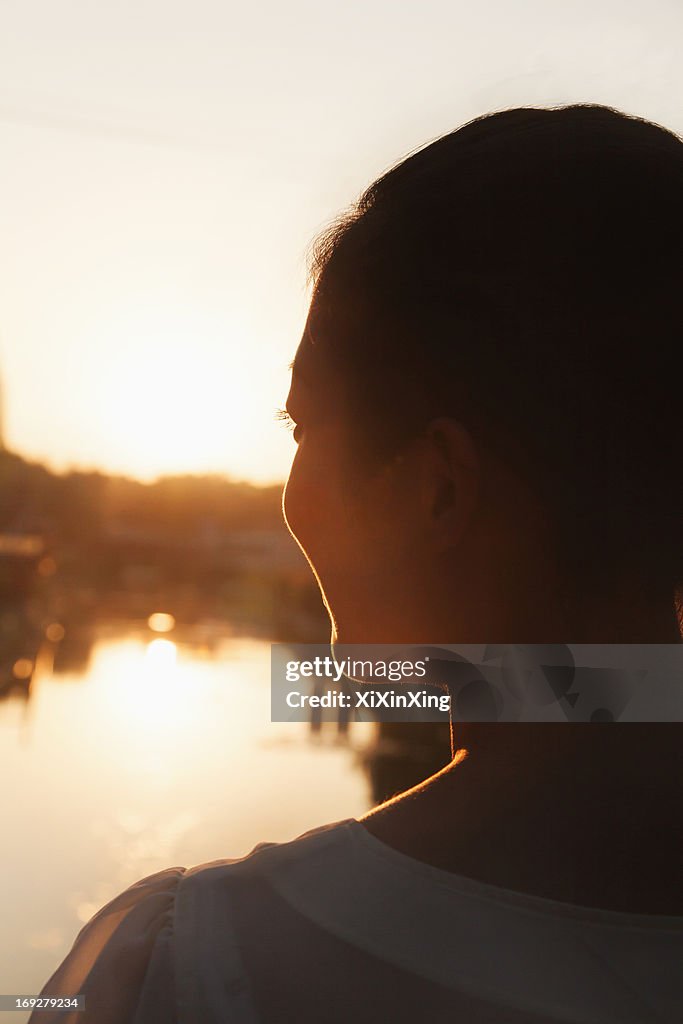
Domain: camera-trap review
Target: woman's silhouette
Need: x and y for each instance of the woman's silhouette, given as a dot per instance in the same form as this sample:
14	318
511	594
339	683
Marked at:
486	402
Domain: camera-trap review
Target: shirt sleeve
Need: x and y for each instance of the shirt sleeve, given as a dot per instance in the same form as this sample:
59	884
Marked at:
122	960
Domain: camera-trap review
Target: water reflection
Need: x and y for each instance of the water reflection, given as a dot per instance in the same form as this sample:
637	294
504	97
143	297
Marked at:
134	750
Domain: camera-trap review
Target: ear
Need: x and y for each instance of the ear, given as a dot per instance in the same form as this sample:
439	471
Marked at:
450	480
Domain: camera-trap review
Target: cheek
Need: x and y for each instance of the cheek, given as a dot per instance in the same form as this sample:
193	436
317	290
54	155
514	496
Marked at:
309	503
294	501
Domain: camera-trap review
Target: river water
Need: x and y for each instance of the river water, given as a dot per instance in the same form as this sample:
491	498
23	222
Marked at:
150	753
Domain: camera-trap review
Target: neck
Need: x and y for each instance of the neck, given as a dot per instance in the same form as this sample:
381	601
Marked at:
627	615
584	811
576	813
580	813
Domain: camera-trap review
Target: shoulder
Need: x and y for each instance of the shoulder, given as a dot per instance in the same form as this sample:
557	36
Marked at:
147	955
110	955
268	859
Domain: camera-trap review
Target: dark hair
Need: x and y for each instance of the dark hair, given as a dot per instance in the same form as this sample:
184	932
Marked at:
524	274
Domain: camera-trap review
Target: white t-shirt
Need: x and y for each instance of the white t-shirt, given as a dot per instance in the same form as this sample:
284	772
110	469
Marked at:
336	926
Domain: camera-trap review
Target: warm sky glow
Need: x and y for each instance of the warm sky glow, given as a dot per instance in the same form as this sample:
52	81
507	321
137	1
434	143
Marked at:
165	164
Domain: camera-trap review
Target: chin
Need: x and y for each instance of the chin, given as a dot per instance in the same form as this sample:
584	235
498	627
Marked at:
362	626
354	635
342	634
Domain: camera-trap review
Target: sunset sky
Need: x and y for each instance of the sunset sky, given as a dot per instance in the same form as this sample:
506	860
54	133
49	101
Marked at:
165	163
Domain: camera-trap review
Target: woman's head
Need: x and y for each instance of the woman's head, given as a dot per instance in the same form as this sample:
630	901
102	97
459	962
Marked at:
491	368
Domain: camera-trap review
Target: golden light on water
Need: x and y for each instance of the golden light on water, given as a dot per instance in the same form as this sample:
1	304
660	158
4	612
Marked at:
160	654
161	622
160	756
152	694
